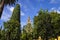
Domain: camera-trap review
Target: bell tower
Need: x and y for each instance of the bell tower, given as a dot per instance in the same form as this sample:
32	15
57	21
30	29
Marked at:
28	20
28	26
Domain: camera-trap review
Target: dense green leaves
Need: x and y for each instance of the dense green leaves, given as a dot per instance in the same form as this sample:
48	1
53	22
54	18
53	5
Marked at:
12	27
16	13
10	1
46	24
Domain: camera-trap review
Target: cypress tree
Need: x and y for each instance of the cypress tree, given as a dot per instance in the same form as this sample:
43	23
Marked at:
13	25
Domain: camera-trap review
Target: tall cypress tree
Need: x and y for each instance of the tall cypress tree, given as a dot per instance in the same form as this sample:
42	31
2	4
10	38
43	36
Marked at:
13	25
16	13
16	18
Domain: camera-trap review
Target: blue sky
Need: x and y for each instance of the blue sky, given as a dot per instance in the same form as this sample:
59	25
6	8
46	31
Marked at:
30	8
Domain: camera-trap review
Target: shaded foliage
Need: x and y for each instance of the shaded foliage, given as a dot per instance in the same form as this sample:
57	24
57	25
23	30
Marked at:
6	2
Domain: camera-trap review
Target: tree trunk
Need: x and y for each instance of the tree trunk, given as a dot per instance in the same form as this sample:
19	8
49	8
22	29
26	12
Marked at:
1	7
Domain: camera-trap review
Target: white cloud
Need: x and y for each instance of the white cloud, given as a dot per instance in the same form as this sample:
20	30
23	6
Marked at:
54	1
58	11
6	15
55	9
10	8
22	13
23	24
20	4
59	8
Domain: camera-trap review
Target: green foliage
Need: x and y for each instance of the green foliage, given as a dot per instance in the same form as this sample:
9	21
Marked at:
55	23
27	32
12	27
9	1
46	24
16	13
24	36
12	30
2	34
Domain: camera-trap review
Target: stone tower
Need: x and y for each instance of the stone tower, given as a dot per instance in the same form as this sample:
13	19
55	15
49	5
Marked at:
28	22
28	26
28	29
